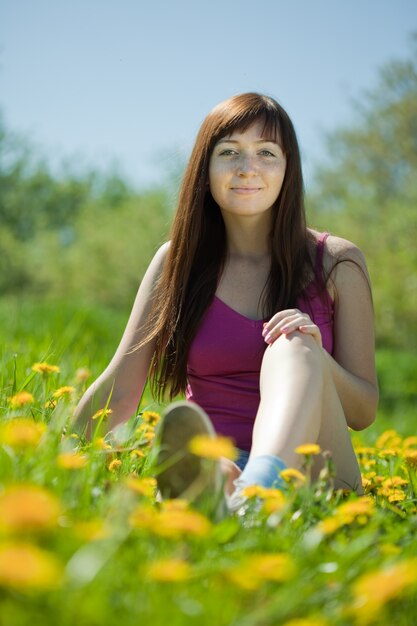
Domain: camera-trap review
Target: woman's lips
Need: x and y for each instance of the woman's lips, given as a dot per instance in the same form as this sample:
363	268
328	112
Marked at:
246	190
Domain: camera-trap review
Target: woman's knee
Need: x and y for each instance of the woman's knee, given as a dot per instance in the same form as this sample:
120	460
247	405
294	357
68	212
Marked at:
298	347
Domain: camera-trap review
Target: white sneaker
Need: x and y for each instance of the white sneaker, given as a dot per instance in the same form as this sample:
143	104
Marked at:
179	473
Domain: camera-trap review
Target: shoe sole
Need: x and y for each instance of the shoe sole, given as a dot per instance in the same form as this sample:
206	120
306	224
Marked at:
182	473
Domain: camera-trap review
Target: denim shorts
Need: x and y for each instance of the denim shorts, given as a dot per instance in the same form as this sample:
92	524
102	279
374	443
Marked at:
242	459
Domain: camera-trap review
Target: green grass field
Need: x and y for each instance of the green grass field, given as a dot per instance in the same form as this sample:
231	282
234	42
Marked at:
84	541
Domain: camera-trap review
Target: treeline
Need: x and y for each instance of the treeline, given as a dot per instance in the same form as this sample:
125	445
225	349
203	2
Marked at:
89	236
367	192
86	236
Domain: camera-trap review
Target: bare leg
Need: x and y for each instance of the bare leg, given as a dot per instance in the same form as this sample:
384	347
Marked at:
299	404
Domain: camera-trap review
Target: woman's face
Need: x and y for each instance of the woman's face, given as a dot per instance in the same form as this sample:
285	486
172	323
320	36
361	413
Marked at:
246	172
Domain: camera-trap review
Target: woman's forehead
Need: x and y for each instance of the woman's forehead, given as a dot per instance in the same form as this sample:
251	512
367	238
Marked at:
261	128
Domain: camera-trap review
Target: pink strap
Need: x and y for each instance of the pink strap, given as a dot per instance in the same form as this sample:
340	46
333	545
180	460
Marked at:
319	253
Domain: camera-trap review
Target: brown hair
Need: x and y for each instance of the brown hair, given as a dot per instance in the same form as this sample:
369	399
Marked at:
197	252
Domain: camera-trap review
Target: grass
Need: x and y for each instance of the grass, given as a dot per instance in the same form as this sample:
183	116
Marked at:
82	539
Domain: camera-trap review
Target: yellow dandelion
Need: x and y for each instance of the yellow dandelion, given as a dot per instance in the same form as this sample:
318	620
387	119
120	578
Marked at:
104	413
253	491
169	571
151	418
388	452
410	457
63	392
142	486
409	442
101	444
292	475
50	404
374	589
388	439
362	506
330	525
143	517
26	507
308	449
45	368
25	567
277	567
71	460
137	453
82	374
176	523
21	433
256	569
149	436
21	399
114	465
393	495
368	463
365	451
395	481
213	447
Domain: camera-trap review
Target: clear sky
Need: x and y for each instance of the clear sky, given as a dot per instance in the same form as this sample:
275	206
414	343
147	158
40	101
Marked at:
131	80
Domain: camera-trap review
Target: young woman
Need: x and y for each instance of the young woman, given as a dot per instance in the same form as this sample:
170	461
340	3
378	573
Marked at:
265	324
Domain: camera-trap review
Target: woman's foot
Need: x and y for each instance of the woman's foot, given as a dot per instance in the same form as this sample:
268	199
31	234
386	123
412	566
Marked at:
179	473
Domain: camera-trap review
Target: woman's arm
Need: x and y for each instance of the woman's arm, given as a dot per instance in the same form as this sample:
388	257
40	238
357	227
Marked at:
124	378
353	365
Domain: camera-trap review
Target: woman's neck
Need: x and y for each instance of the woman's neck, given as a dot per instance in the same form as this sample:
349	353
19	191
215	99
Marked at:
247	237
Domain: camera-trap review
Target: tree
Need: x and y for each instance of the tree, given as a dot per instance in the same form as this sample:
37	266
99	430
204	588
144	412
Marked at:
368	193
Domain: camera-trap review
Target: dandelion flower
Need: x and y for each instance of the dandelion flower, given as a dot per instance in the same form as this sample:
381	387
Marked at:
308	449
374	589
71	460
137	453
292	475
408	442
213	447
143	486
45	368
21	399
169	571
114	465
173	524
151	417
21	433
24	566
63	392
388	439
256	569
28	507
410	457
50	404
104	413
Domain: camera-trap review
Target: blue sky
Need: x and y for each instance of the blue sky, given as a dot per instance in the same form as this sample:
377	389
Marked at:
128	81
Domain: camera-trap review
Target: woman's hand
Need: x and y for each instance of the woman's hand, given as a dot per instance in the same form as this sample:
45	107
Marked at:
288	321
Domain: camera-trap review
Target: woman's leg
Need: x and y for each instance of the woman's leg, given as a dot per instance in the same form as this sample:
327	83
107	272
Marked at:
299	404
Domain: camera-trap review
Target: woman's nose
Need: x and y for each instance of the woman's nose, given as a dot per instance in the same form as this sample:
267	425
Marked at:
246	165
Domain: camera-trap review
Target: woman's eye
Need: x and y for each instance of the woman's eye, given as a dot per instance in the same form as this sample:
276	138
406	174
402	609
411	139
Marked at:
227	152
267	153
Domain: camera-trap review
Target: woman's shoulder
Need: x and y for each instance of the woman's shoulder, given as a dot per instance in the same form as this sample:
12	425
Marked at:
337	249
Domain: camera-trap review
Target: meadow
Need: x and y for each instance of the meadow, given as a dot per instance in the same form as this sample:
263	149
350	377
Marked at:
84	540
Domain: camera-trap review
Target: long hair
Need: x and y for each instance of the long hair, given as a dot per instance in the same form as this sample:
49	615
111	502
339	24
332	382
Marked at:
197	252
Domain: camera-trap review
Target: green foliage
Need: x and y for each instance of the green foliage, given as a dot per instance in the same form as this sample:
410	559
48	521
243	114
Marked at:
93	543
83	234
367	192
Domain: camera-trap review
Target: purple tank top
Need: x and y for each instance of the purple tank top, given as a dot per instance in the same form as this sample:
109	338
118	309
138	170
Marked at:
226	354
